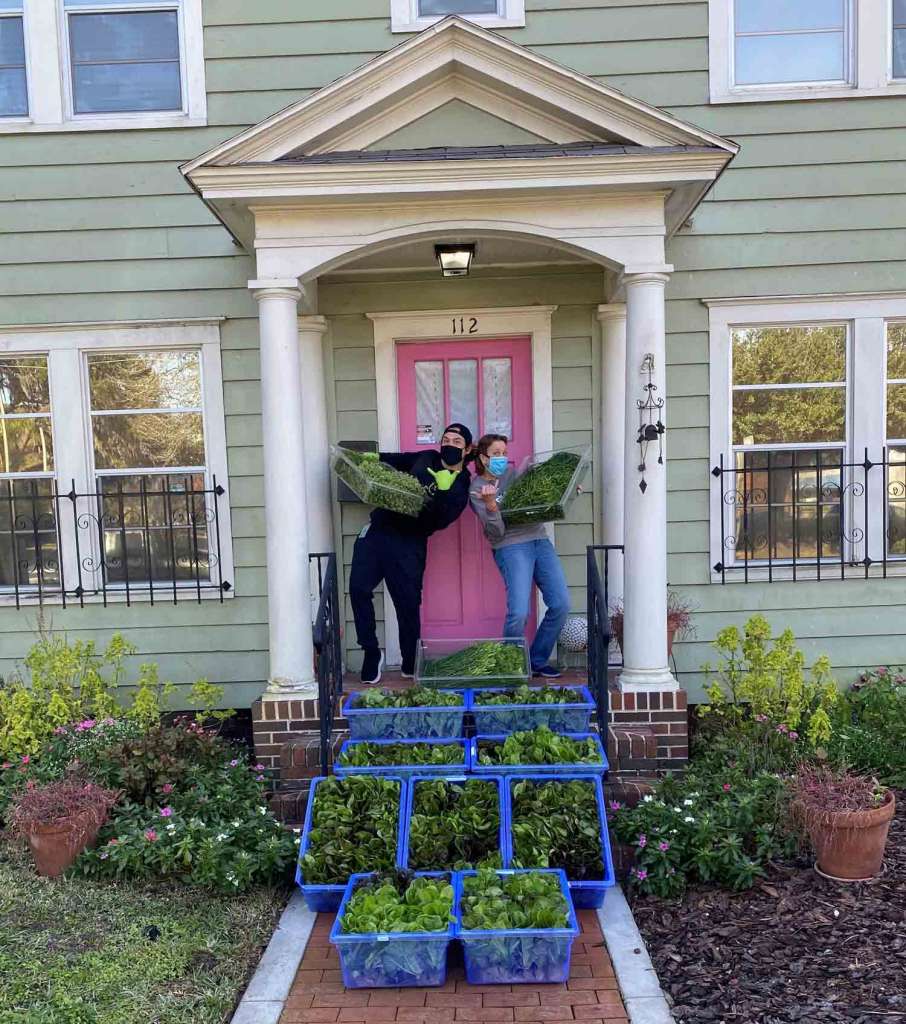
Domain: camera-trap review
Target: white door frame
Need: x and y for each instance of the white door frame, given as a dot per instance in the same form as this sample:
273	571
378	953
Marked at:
438	325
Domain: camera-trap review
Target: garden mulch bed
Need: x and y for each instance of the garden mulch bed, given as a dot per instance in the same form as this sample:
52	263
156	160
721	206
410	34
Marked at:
794	948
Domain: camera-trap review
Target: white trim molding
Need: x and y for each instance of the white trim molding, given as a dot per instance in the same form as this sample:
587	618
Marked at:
436	325
866	317
50	106
405	17
869	59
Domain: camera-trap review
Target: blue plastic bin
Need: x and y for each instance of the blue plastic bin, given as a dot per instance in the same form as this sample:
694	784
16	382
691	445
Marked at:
520	955
538	769
327	898
414	780
392	959
494	719
405	770
587	894
404	723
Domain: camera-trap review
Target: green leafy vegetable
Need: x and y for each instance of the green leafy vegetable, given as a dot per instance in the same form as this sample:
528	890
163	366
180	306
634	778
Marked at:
378	484
539	746
414	697
353	829
398	902
555	825
362	754
526	694
499	902
487	660
538	495
454	825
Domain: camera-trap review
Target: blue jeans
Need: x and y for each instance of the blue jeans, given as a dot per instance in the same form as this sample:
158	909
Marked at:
519	565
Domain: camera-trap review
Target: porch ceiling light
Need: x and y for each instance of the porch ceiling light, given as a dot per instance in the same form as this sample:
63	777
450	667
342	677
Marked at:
455	260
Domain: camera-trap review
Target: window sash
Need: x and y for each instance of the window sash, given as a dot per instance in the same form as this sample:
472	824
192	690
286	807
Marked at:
15	71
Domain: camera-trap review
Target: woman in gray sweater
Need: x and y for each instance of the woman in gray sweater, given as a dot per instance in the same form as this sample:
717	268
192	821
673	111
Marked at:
523	555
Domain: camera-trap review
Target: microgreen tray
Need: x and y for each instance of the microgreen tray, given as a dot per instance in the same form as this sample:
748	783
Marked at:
460	663
392	959
492	719
403	723
517	955
403	769
377	483
323	898
598	768
538	503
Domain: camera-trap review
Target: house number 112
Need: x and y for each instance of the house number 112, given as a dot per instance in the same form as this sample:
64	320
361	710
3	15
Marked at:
465	325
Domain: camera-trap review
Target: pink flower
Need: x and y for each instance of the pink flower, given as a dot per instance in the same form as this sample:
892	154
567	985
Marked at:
166	812
794	735
167	787
783	727
882	671
663	846
109	721
88	723
6	764
615	805
113	842
761	718
640	873
151	835
26	758
259	768
643	840
726	787
60	730
233	764
259	778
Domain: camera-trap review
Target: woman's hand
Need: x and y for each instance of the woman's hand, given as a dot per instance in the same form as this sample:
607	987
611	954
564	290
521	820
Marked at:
489	497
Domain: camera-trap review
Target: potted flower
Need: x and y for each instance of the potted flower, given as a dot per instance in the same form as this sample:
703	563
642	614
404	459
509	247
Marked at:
60	819
846	817
679	620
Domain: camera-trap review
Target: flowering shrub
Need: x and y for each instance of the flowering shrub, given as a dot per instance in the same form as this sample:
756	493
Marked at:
765	710
870	726
719	829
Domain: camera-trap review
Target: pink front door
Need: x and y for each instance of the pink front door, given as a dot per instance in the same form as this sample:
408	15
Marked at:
487	385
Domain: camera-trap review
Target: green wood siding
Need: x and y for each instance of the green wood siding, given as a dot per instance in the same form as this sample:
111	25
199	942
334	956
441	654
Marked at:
101	226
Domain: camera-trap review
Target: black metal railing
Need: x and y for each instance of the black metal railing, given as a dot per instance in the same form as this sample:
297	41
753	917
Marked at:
158	537
811	515
599	568
327	638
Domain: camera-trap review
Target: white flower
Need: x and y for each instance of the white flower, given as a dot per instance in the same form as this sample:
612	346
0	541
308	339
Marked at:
262	810
298	831
221	836
678	810
688	803
171	827
235	824
648	798
688	818
673	831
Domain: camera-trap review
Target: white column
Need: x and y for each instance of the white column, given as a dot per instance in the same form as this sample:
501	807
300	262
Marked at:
612	456
286	520
645	512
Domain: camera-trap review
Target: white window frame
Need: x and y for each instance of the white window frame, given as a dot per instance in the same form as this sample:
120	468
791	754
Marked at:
49	80
870	59
19	119
404	16
66	347
867	317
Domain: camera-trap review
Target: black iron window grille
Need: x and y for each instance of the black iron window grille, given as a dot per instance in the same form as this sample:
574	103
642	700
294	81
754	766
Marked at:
138	536
810	514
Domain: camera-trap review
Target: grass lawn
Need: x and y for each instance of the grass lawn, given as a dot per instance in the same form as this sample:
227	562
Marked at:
78	952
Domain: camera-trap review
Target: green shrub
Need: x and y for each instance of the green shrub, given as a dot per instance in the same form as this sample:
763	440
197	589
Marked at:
869	733
717	828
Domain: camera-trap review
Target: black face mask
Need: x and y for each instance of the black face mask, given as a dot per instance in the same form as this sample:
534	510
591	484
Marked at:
451	455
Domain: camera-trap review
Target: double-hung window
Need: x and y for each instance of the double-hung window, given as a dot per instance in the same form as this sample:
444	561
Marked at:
84	64
414	15
800	49
113	463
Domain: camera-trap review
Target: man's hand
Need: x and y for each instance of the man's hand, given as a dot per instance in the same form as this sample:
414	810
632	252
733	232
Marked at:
489	497
443	478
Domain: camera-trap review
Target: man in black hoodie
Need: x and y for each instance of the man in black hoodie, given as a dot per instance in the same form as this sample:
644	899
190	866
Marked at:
393	547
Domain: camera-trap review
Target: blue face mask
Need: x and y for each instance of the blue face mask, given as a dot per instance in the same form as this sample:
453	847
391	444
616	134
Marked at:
497	465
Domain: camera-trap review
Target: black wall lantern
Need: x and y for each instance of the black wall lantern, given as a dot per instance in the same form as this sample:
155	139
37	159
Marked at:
651	428
455	260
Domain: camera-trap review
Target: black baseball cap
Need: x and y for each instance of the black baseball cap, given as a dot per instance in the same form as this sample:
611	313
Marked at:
461	429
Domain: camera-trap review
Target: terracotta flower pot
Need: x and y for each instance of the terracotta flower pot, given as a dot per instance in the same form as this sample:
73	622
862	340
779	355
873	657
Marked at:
849	845
55	847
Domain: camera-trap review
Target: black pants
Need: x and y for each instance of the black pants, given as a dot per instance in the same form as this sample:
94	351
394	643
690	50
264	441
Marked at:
399	561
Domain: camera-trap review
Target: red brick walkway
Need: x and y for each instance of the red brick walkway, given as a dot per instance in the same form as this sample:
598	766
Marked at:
591	994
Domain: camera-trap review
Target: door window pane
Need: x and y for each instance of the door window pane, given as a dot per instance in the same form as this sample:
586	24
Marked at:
427	8
497	385
13	86
429	401
463	376
778	41
125	61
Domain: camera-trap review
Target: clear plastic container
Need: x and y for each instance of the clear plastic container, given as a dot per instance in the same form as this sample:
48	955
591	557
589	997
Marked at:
496	719
325	898
587	893
520	955
404	723
456	780
392	959
403	769
558	508
382	493
458	676
563	768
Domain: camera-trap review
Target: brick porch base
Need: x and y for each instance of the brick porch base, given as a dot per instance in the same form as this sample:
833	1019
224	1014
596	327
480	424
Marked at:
591	994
